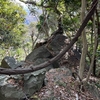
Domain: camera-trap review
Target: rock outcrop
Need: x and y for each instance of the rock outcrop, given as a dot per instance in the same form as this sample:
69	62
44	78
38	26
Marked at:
16	87
9	62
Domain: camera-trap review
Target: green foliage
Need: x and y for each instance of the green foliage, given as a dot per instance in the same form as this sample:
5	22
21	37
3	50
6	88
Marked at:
48	21
11	23
68	9
42	23
72	4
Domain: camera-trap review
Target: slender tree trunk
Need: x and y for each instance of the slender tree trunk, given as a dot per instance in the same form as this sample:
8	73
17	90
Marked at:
94	50
32	39
84	40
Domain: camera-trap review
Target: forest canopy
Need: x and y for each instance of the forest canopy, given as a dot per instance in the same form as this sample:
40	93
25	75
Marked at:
12	18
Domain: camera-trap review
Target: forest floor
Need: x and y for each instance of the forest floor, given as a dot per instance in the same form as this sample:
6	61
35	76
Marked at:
61	85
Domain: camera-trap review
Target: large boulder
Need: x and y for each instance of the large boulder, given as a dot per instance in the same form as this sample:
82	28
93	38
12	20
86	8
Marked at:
40	55
57	43
56	81
16	87
9	62
40	52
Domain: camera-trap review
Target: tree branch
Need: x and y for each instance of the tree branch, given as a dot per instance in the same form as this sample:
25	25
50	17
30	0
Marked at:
46	6
36	4
47	63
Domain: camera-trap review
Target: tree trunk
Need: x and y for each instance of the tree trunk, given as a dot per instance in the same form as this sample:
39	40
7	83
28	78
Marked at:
94	50
84	40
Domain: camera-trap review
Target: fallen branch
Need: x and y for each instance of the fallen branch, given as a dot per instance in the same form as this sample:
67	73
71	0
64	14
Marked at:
47	63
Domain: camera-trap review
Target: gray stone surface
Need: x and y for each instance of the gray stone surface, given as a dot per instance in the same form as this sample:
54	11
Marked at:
58	77
32	81
57	43
40	55
40	52
9	62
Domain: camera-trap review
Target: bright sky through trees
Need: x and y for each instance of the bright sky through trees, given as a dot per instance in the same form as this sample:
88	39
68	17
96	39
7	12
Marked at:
29	18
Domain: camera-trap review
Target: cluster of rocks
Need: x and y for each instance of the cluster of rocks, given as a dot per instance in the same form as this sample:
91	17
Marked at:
16	87
20	87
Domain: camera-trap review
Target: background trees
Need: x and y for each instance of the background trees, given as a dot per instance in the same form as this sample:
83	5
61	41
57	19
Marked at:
11	22
12	26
